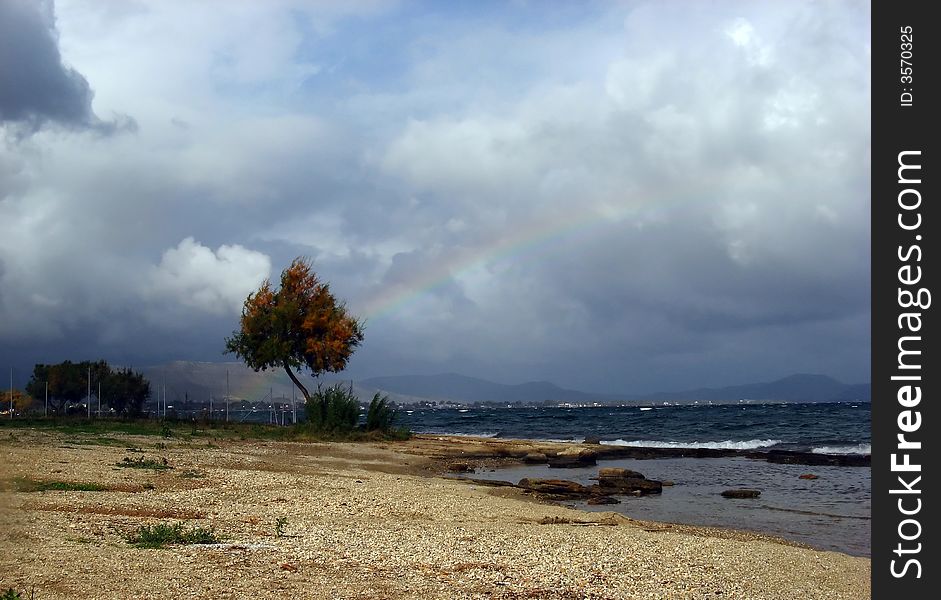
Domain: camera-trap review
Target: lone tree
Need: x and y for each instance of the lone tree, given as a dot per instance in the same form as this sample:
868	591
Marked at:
300	325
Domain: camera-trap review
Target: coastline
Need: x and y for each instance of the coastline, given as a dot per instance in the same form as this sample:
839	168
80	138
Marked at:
507	451
366	520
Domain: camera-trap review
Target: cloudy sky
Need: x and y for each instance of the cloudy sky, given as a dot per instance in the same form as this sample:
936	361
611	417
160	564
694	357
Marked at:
612	196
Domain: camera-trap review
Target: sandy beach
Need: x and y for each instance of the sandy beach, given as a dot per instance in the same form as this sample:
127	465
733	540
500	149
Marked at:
365	520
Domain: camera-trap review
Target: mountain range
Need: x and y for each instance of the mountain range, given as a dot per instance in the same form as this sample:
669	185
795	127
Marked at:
195	381
460	388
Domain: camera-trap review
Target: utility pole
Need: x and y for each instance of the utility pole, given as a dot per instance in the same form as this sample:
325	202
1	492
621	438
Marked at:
294	404
99	398
226	395
11	392
210	406
45	408
88	394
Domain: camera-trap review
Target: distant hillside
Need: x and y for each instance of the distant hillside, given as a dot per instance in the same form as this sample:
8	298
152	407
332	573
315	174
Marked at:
196	380
794	388
460	388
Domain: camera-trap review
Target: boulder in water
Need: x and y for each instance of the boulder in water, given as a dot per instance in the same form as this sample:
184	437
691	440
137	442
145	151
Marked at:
630	485
573	458
561	487
741	493
613	480
535	458
618	473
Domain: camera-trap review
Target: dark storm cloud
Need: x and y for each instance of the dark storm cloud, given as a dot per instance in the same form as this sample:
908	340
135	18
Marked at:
35	85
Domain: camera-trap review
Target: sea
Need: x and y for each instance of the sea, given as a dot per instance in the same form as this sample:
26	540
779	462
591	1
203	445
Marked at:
832	512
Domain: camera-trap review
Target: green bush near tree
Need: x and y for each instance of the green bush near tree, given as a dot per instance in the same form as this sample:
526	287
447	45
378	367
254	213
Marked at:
334	409
334	412
380	415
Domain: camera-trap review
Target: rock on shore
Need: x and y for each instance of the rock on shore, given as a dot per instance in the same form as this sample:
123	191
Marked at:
573	458
741	493
611	482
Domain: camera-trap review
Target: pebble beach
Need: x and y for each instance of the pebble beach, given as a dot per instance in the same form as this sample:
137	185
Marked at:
364	520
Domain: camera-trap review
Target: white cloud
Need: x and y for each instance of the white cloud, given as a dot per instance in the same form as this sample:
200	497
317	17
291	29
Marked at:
215	282
743	34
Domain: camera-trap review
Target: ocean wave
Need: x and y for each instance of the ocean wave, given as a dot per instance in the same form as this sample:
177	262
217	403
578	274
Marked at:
482	434
857	449
723	445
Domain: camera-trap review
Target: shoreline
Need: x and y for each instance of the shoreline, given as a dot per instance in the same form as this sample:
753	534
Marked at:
363	520
508	451
509	463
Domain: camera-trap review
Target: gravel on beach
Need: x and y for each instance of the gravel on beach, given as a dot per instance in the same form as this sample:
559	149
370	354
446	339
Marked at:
356	521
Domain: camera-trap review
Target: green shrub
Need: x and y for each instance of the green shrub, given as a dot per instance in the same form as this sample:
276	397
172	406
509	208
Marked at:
162	535
144	463
11	594
31	485
334	409
398	433
380	415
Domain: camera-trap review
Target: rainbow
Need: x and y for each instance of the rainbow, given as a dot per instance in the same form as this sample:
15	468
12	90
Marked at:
537	235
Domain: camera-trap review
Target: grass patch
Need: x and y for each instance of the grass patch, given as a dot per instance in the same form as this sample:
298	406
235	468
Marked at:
32	485
80	430
142	462
97	441
163	535
74	426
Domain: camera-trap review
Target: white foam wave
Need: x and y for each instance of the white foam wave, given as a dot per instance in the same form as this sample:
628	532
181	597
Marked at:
723	445
482	434
857	449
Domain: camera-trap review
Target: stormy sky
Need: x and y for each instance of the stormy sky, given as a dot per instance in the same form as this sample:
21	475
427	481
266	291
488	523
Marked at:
616	197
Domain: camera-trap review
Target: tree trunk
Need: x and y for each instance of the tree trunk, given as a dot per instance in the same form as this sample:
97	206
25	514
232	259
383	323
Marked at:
297	382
